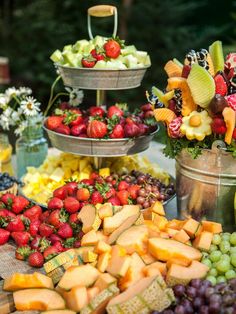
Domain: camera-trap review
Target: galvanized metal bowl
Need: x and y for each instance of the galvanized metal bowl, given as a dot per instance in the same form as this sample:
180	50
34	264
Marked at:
103	79
99	147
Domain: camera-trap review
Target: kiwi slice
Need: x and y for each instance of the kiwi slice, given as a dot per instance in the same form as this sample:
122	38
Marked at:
217	56
202	85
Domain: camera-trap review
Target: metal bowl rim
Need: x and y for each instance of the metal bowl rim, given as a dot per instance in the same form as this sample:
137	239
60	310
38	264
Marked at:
100	70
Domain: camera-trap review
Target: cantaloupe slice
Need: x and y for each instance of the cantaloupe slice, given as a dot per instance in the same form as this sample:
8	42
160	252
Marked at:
102	247
59	312
171	232
178	274
134	273
105	211
172	69
89	257
89	217
92	293
148	258
125	225
119	262
203	241
80	251
164	114
112	223
103	261
158	208
83	275
181	236
211	226
89	238
178	261
175	224
166	249
104	280
160	221
76	298
164	235
160	266
153	230
134	239
144	296
101	236
20	281
38	299
191	226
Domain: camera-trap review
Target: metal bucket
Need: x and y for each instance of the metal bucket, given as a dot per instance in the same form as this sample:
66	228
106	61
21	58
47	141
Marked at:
206	187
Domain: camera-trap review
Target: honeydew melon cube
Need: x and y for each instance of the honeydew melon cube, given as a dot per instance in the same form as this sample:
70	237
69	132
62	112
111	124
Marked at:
128	50
79	45
56	56
101	64
72	58
99	40
67	48
131	61
88	48
147	61
141	56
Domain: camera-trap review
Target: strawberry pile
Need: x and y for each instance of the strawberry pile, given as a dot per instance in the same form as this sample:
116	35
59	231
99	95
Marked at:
116	122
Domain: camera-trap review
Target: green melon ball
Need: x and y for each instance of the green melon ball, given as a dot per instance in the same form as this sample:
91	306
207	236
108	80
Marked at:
224	246
232	238
216	239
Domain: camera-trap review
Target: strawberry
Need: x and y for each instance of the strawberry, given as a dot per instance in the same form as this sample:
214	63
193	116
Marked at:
131	130
19	204
123	185
88	62
231	100
83	194
186	70
20	237
15	224
63	129
71	205
4	236
218	126
55	203
33	213
110	193
7	198
54	122
50	252
117	132
23	252
73	219
58	246
57	218
112	48
6	213
44	216
123	197
77	243
71	187
96	198
96	111
35	243
114	111
96	129
133	191
36	259
55	238
60	193
45	230
79	129
114	200
76	119
146	107
64	106
65	231
34	227
98	53
221	85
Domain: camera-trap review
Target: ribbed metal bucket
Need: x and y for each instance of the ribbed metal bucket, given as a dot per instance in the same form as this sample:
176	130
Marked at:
206	187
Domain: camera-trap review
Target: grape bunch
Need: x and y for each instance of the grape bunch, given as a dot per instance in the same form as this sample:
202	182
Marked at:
221	259
6	181
201	297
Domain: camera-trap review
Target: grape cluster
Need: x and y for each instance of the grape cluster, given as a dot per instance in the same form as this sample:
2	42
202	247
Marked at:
200	297
6	181
221	259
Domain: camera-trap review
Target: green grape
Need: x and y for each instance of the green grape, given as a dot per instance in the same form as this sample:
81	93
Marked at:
232	239
225	257
216	239
215	256
223	266
233	259
213	272
224	247
233	250
213	247
230	274
206	261
212	279
225	236
205	255
220	279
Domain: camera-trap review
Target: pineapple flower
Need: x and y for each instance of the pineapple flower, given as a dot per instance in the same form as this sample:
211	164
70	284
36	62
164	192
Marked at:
197	125
76	96
30	106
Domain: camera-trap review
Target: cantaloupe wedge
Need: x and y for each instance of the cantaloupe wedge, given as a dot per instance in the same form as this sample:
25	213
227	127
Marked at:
119	262
59	312
175	224
144	296
20	281
38	299
211	226
203	241
125	225
158	208
83	275
112	223
164	114
160	266
153	230
134	273
89	257
148	258
103	261
89	238
178	274
76	298
166	249
105	211
191	226
80	251
101	236
178	261
181	236
92	293
102	247
104	280
160	221
150	271
134	239
171	232
89	217
164	235
172	69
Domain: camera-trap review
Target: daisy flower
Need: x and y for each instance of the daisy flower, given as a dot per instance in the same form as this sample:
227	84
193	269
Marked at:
76	96
25	91
3	101
5	119
21	127
30	106
11	92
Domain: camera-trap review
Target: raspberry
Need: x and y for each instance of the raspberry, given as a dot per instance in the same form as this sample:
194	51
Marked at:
174	128
231	100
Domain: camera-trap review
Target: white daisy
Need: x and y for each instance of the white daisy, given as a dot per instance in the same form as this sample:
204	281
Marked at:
15	116
25	90
11	92
5	118
3	101
18	131
30	106
76	96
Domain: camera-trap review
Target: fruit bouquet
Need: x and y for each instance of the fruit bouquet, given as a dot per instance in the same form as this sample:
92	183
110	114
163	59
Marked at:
199	102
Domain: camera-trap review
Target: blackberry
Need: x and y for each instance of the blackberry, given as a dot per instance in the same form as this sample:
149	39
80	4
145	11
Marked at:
178	100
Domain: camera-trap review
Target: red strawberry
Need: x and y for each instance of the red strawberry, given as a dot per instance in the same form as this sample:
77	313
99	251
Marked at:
50	252
78	119
71	187
34	227
88	181
77	244
79	129
88	62
55	238
218	126
36	259
35	243
58	246
7	198
55	218
21	237
55	203
231	100
65	231
63	129
83	194
112	48
123	185
54	122
117	132
96	111
4	236
110	193
60	193
71	205
96	129
98	54
114	111
33	213
45	230
19	204
96	198
133	191
94	175
23	252
146	107
123	197
73	219
221	86
186	70
44	216
131	130
6	213
15	224
114	200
